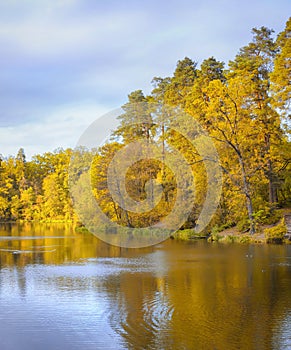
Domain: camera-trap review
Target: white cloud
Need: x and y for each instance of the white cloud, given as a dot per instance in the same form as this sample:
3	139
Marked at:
61	129
47	34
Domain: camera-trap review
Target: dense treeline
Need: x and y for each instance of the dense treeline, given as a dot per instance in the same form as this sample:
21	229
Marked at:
36	189
245	110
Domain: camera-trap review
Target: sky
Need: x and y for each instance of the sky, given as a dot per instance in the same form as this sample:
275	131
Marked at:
65	63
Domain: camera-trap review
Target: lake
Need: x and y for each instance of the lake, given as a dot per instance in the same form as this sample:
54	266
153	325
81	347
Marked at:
65	290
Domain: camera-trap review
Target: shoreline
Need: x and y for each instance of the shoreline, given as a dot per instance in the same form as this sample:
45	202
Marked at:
278	233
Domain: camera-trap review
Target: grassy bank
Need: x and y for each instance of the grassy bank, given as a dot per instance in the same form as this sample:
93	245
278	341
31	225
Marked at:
274	232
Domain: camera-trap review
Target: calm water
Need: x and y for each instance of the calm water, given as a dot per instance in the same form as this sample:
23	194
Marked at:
61	290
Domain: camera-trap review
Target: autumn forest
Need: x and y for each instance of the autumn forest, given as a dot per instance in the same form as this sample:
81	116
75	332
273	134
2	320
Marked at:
243	105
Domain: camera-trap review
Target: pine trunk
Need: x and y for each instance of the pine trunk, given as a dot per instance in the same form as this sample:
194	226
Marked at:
247	193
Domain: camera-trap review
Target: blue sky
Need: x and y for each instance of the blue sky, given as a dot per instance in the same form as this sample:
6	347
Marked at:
64	63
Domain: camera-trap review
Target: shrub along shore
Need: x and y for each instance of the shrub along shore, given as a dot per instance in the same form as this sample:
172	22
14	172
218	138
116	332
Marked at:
278	232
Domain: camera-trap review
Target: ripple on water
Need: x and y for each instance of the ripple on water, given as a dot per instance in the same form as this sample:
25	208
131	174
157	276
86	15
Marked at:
20	251
147	323
157	312
282	337
32	238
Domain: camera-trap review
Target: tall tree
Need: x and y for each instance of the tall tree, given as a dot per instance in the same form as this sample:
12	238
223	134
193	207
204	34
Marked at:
136	120
254	64
227	122
211	69
281	76
181	82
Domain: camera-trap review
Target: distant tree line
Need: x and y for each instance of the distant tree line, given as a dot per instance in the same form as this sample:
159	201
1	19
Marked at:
36	189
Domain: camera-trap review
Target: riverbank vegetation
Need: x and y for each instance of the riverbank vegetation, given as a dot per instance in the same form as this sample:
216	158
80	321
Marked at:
245	109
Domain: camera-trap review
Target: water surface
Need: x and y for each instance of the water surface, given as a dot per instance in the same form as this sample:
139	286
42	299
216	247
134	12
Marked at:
63	290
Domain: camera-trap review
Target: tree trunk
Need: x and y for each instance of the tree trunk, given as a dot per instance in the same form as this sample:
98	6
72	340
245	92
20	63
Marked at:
273	197
247	193
122	208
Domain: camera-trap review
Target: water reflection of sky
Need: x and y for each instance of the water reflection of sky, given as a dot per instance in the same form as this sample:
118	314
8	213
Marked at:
70	303
55	308
282	337
88	295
